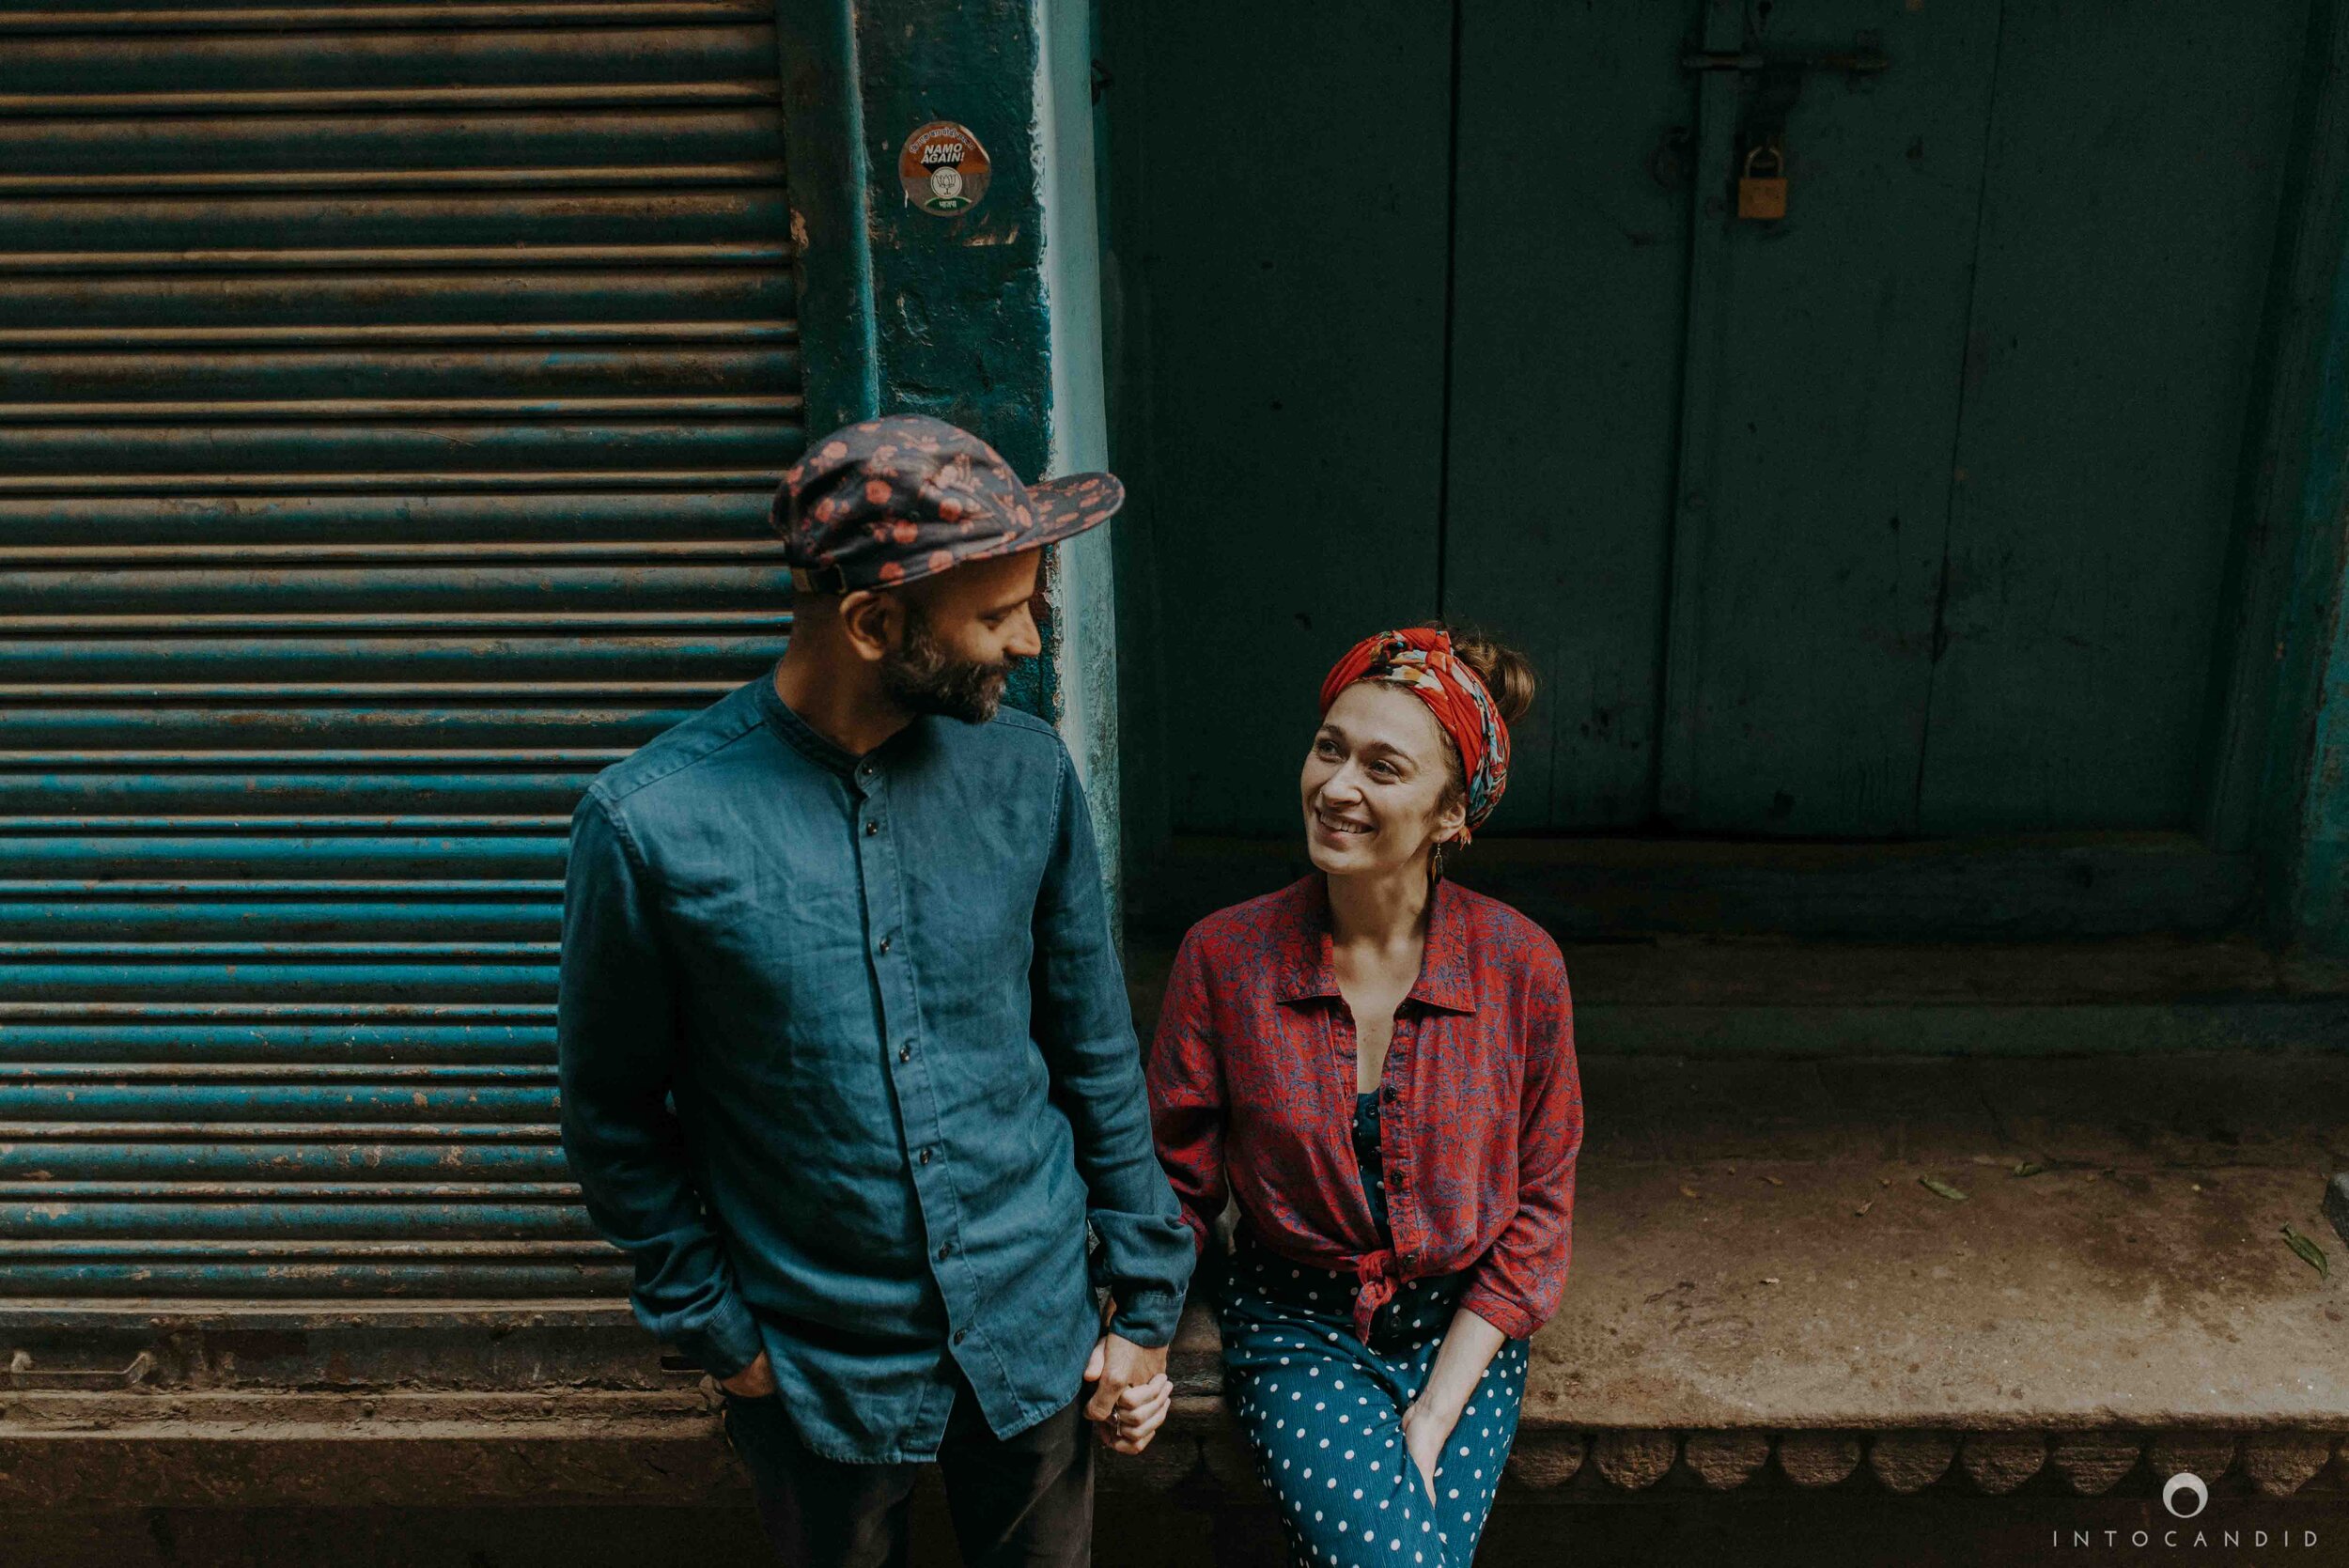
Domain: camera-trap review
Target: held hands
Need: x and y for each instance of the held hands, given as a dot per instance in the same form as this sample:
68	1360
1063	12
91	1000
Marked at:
755	1381
1130	1398
1131	1391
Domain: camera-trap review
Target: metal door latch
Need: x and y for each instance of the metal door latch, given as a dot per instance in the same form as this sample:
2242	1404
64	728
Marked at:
1861	62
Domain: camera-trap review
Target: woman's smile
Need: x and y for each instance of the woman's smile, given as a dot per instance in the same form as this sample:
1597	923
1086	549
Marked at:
1339	827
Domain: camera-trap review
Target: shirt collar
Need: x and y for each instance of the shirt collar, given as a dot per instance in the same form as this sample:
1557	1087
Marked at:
1309	971
818	747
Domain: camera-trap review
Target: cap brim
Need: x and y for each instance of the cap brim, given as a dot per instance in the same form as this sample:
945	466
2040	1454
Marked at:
1072	504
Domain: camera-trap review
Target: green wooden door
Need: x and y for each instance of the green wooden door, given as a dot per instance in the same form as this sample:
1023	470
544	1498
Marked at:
1915	514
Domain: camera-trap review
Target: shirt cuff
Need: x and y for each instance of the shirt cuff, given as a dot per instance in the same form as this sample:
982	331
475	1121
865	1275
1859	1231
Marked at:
1148	1318
726	1342
1512	1321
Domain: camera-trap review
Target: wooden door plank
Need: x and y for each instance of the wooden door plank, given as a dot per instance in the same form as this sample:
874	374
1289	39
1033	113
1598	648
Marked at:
2128	232
1840	331
2255	763
1281	251
1569	263
1721	30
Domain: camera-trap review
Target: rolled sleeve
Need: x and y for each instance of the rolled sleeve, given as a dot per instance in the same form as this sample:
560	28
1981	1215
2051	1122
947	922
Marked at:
1085	1025
617	1044
1521	1279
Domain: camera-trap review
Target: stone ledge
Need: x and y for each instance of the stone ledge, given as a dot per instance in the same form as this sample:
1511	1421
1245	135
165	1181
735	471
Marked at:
1565	1466
259	1451
1784	998
1763	1294
1755	1249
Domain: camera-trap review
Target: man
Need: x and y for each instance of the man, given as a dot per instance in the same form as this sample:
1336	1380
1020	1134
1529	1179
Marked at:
846	1060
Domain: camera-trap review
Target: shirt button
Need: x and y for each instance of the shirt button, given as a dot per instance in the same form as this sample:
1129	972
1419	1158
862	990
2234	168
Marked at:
961	1334
944	1249
884	943
871	828
905	1054
925	1156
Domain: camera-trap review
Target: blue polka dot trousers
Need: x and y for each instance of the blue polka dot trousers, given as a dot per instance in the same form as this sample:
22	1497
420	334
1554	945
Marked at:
1323	1414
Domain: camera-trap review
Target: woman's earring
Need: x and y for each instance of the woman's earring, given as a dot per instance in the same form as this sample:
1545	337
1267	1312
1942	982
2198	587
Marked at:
1435	860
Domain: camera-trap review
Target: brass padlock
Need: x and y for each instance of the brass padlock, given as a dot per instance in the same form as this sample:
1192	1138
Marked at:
1762	192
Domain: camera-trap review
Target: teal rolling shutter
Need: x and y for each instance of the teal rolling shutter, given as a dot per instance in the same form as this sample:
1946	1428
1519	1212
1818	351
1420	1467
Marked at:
390	394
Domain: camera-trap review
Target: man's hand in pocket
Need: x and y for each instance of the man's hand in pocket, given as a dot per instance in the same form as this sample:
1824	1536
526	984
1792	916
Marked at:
755	1381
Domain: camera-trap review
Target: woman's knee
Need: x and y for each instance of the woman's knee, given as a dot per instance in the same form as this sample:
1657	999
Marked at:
1342	1502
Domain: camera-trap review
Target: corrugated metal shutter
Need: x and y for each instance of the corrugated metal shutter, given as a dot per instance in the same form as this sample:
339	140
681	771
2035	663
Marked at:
389	398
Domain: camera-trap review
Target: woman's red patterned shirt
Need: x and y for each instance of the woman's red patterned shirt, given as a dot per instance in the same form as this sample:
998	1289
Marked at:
1252	1077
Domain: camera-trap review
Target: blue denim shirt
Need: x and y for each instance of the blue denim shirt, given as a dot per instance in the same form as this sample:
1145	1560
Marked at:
848	1067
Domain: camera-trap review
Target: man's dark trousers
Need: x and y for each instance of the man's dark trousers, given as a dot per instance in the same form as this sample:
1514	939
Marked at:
1025	1501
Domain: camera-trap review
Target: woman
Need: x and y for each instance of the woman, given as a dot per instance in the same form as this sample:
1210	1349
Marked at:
1378	1066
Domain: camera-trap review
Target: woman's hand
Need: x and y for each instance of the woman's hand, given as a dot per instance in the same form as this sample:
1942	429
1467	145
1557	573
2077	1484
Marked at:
1468	1347
1141	1410
1131	1391
1426	1430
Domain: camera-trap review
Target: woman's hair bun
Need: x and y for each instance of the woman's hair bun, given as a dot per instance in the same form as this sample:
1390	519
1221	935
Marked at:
1507	673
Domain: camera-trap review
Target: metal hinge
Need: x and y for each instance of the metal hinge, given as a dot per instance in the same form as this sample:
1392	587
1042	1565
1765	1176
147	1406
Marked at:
23	1373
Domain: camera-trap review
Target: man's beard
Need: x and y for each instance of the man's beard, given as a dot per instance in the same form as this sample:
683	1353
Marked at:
921	676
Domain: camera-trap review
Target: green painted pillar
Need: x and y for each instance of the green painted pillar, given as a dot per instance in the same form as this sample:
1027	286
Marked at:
2302	818
989	317
1084	594
2311	897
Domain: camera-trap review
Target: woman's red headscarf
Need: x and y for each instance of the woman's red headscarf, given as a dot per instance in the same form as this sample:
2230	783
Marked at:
1421	660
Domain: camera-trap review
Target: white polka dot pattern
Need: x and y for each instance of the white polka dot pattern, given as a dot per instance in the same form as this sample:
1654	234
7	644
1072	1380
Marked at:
1277	1344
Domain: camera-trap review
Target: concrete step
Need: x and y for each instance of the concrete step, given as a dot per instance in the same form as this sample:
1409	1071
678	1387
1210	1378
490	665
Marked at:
1760	1267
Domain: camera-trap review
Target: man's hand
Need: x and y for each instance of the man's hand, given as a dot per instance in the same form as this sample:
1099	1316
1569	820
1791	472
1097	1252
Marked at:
755	1381
1130	1395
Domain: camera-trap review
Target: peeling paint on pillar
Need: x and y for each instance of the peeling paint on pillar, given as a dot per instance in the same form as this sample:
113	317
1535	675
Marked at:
960	321
2302	821
1084	597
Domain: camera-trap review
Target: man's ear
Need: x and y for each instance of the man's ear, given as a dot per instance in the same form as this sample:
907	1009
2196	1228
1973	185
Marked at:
871	621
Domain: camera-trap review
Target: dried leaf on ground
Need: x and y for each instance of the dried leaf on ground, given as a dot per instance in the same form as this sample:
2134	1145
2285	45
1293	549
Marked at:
1688	1192
1935	1183
2310	1253
1774	1180
2027	1168
1865	1207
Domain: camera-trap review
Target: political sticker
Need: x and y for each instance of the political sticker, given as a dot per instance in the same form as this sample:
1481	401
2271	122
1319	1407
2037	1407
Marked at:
943	169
